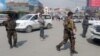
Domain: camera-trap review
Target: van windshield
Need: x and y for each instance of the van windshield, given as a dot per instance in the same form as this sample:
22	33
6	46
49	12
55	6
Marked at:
26	17
46	16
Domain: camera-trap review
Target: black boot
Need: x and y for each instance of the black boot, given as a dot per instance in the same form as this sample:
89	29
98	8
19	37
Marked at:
83	35
58	48
15	45
10	43
74	51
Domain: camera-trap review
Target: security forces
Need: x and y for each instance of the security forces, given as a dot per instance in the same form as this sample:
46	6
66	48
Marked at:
11	32
69	27
85	25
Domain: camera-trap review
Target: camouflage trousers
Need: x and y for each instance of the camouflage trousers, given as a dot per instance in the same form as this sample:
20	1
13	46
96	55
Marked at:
68	36
12	35
85	29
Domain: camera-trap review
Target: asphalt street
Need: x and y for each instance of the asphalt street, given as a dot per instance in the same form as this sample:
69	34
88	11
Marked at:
30	44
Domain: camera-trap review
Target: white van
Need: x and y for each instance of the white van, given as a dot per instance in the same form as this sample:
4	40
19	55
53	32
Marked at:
30	21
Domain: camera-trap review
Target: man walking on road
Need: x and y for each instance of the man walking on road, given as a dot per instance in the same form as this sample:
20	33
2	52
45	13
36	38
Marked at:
42	24
10	25
69	27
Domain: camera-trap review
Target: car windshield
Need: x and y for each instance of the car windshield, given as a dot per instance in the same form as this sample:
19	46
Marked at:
26	17
46	16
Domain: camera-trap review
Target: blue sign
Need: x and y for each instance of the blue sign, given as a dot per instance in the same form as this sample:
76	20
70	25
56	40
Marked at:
33	2
2	4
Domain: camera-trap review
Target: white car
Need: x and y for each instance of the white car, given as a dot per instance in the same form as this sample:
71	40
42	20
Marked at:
3	17
93	21
95	31
30	21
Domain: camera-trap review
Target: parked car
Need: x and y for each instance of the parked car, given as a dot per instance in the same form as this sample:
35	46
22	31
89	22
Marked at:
30	21
95	31
3	17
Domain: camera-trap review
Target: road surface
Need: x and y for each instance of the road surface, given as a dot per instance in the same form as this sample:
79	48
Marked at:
30	44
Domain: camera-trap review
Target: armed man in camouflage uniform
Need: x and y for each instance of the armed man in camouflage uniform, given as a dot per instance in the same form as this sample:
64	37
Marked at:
10	25
69	27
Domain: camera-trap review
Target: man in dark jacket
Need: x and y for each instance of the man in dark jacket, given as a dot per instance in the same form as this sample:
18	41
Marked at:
10	26
85	25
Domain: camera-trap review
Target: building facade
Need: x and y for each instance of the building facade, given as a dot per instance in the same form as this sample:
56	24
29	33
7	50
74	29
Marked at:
24	5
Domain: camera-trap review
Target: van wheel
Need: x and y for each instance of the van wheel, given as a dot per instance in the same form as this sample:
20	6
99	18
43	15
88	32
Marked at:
49	26
29	29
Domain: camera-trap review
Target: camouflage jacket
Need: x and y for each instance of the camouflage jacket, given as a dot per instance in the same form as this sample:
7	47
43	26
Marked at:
69	24
10	25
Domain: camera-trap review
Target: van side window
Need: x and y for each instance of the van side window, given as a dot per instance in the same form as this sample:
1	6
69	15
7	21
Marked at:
35	17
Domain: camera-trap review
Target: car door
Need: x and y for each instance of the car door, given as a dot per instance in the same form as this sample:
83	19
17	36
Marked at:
35	24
